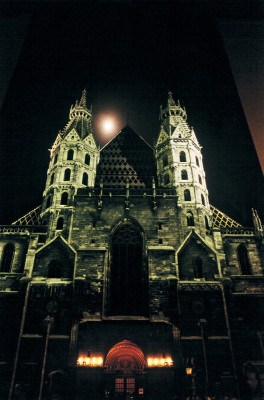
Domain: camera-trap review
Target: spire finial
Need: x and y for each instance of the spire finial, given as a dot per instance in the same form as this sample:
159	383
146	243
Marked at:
83	99
171	102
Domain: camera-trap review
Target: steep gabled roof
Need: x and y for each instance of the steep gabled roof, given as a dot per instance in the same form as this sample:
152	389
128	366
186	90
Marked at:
126	157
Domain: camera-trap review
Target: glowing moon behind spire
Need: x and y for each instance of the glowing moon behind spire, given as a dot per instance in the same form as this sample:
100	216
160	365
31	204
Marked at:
108	126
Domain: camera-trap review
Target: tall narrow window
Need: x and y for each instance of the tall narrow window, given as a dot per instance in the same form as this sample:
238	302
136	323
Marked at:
54	269
55	159
85	179
243	260
87	159
70	154
52	179
182	156
200	179
206	222
48	202
197	161
64	198
67	174
187	195
165	160
127	279
166	179
59	226
190	219
203	200
198	268
7	257
184	175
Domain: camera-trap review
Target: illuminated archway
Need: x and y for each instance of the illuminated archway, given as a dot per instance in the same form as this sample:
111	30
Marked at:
125	355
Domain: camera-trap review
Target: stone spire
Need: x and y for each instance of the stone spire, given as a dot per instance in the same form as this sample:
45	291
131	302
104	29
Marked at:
82	102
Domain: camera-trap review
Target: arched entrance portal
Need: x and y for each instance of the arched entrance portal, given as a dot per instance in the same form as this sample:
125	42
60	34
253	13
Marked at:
125	364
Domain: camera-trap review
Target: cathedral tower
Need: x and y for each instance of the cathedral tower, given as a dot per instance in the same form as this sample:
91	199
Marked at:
73	160
180	164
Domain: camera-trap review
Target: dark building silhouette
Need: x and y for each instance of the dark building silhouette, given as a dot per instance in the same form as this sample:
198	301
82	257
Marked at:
126	282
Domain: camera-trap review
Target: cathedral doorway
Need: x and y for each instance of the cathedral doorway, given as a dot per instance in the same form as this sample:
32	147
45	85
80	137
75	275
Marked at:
125	364
128	278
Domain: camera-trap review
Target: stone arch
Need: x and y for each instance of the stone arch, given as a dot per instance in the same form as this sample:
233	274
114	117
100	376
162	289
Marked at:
125	355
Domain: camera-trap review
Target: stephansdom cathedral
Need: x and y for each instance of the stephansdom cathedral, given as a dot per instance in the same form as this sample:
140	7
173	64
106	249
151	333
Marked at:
126	282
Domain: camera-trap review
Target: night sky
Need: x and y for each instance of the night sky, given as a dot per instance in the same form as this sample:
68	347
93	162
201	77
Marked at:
127	55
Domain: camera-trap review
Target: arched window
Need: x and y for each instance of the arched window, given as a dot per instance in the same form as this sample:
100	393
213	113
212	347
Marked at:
165	160
59	226
243	260
197	161
87	159
166	179
187	195
54	269
190	219
64	198
52	179
182	156
206	222
70	154
203	200
55	159
184	175
198	268
200	179
128	289
7	257
48	202
85	179
67	174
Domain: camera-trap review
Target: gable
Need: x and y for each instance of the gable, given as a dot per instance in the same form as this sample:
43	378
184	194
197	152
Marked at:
126	157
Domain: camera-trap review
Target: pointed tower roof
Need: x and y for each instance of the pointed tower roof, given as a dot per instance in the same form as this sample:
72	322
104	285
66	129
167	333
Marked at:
126	157
80	119
172	108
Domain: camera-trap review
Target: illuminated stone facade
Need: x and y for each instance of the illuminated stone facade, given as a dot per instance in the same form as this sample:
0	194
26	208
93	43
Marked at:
128	285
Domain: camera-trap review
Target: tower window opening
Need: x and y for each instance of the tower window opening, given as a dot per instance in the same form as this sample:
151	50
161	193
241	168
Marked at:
70	155
166	179
7	258
64	198
54	269
67	174
85	179
160	226
206	223
243	260
184	175
203	200
48	202
187	195
182	156
87	159
59	226
197	161
198	268
55	159
165	161
52	179
190	219
200	179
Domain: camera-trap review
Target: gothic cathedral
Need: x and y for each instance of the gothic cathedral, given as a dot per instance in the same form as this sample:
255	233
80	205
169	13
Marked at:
126	283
